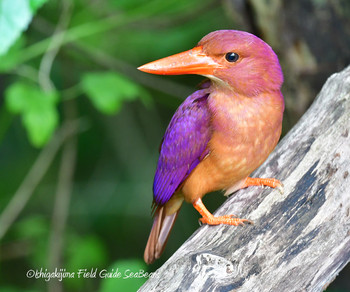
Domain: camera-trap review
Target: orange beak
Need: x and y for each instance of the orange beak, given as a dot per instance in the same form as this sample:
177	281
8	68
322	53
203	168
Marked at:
193	61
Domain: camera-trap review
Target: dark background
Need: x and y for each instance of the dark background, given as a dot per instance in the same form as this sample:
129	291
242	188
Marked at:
91	205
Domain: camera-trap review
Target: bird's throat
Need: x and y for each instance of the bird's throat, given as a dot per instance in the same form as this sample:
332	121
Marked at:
236	115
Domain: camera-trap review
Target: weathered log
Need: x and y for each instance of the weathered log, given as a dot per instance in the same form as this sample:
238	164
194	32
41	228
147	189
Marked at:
301	239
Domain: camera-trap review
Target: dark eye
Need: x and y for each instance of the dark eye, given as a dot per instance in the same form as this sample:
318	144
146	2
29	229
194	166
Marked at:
231	57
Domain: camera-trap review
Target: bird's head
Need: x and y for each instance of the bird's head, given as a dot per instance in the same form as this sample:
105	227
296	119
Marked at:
230	58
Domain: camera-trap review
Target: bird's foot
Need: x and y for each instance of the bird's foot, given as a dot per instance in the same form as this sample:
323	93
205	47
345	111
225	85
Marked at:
210	219
269	182
226	219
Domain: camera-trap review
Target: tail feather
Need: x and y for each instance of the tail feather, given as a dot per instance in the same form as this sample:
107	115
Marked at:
162	225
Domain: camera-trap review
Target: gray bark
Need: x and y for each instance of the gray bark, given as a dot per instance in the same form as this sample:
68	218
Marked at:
300	240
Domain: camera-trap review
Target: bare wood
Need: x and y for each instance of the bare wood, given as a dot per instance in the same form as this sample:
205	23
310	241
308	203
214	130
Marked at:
300	240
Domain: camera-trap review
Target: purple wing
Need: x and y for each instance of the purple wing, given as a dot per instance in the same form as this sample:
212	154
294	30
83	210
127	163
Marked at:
184	145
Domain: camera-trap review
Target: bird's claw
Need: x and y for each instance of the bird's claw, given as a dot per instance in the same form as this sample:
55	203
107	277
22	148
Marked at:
280	188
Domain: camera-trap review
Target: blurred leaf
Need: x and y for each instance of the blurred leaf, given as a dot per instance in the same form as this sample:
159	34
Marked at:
108	90
34	227
84	253
40	125
36	4
15	16
38	110
132	275
10	59
16	97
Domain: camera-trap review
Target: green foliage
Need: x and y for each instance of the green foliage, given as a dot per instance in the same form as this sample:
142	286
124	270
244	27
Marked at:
35	230
36	4
13	289
82	58
124	275
84	253
37	108
15	16
34	227
10	59
108	90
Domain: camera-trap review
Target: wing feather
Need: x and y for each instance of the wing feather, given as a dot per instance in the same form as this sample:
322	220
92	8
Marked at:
184	143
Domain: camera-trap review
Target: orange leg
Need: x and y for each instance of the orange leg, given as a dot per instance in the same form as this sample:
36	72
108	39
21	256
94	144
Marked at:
269	182
210	219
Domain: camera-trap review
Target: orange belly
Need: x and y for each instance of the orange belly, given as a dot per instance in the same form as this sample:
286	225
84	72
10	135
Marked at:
225	166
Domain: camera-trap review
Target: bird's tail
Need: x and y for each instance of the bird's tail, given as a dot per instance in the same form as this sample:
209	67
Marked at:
163	222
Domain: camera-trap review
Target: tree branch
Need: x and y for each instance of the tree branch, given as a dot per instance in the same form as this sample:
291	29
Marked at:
54	47
62	201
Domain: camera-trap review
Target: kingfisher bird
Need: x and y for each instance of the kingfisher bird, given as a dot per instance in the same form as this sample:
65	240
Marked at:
221	133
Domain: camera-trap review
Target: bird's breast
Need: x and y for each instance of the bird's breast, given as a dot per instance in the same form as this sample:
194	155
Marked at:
244	132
